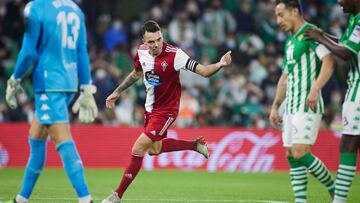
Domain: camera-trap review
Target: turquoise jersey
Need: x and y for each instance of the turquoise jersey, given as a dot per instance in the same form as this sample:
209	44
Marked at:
55	45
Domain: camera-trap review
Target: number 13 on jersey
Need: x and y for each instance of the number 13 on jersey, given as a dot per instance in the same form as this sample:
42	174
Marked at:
69	20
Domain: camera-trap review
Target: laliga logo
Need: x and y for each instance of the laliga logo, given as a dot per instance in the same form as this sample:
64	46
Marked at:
236	151
4	156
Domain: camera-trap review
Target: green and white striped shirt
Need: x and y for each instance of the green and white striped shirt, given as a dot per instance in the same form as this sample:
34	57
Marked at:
350	39
301	64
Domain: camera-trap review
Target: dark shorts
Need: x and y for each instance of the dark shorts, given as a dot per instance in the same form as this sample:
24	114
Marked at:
156	125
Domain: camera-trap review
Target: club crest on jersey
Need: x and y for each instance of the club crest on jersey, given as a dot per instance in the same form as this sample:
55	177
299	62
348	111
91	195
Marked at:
164	65
153	78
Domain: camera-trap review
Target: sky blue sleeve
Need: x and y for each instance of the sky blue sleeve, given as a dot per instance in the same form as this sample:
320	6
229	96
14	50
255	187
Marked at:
83	57
28	52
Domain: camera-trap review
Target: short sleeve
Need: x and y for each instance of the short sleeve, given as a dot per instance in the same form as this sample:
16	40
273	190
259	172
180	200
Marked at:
180	60
137	64
284	66
321	51
352	42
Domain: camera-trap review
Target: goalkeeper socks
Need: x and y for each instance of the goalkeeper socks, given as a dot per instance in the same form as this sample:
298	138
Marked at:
129	174
318	170
73	167
298	174
170	145
345	176
34	166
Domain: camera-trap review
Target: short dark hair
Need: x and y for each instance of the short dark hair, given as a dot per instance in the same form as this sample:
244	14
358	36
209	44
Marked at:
150	26
291	4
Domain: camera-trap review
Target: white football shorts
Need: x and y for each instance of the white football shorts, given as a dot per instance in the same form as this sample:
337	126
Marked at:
300	128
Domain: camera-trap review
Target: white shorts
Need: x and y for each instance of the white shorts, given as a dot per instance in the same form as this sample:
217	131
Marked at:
300	128
351	118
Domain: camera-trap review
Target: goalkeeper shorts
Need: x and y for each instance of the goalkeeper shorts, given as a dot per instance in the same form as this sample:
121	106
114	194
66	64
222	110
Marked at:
52	107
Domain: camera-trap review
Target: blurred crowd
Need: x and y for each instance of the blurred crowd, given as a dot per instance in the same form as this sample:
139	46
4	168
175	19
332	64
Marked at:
240	95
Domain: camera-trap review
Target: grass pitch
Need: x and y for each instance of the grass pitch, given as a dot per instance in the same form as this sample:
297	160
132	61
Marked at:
170	187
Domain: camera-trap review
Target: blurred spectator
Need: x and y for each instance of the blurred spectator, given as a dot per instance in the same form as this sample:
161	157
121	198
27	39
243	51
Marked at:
237	96
182	31
189	107
115	35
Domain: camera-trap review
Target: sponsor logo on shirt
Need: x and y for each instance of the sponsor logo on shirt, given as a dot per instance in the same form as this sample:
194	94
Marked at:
152	78
355	35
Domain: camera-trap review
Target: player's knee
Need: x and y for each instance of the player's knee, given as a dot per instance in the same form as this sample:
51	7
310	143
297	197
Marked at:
154	151
349	143
298	153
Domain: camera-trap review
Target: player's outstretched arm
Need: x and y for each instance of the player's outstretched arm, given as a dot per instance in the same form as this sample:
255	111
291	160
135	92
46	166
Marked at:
333	45
129	80
274	117
209	70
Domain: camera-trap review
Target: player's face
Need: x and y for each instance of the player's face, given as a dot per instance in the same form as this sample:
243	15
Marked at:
284	17
347	5
154	40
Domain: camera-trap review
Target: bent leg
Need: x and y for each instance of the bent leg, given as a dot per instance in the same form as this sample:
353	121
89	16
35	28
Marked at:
171	145
316	167
35	164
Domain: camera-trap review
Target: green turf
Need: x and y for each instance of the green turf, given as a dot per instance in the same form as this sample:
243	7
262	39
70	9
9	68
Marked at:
170	186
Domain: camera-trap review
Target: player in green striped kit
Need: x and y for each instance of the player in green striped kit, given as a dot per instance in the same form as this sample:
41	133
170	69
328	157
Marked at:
347	48
307	66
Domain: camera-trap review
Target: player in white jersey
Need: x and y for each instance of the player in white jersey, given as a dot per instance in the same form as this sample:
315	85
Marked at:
307	66
159	64
348	49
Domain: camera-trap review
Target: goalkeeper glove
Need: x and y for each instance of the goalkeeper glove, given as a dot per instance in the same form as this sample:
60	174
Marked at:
85	104
13	87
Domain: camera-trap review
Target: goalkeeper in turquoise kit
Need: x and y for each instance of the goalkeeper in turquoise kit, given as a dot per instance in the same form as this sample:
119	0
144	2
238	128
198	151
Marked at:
55	48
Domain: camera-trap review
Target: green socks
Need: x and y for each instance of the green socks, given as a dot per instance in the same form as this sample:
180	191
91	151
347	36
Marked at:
318	170
345	175
298	174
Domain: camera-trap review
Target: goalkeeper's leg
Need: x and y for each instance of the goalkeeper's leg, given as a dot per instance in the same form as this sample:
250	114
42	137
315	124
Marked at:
71	160
37	143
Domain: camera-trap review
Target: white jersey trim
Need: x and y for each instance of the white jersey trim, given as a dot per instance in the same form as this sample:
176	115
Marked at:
180	60
321	51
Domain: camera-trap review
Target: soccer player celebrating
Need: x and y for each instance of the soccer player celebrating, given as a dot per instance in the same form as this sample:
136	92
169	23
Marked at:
307	66
347	48
54	44
159	63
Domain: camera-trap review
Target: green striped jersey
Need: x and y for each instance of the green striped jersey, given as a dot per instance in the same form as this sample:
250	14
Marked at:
350	39
301	64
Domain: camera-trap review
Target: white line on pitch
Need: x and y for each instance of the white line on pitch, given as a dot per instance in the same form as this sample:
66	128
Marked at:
171	200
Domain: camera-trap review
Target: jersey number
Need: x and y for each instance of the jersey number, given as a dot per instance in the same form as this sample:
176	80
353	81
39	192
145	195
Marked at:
66	20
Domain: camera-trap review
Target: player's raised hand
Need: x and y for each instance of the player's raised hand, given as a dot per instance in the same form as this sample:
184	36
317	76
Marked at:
226	59
111	99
